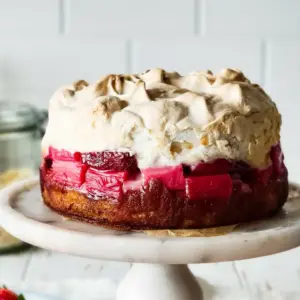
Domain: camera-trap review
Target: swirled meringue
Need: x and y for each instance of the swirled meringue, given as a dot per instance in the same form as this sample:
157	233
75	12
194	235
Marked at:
165	118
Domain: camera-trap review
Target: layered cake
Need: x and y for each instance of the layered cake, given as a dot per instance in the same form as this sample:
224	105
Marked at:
162	150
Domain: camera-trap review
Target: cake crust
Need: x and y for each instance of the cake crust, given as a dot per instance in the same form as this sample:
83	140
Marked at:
137	213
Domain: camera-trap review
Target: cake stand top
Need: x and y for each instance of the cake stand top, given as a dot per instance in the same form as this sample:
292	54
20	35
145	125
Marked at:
23	214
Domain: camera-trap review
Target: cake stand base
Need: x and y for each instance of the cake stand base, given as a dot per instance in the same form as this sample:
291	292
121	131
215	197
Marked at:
159	282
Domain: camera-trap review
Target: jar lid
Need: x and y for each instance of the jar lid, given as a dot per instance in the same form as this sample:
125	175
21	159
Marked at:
15	116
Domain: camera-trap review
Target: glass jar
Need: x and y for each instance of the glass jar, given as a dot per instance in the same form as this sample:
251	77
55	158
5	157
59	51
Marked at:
21	130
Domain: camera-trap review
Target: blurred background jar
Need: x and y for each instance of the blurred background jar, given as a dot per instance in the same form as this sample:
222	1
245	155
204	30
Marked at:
21	129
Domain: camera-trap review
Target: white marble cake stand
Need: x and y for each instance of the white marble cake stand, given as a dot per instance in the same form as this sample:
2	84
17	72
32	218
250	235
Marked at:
160	271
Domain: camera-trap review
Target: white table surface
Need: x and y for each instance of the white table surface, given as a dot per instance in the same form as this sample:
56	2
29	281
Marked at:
278	274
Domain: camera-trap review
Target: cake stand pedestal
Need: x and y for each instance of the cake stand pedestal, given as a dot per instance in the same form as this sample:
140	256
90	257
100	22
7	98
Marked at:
160	282
160	269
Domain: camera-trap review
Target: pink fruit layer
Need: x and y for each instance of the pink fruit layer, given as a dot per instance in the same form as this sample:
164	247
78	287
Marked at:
116	175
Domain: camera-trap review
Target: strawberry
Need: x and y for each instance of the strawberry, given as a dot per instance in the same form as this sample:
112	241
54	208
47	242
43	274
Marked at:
6	294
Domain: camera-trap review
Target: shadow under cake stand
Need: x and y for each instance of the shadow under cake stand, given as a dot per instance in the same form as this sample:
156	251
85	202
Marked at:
160	269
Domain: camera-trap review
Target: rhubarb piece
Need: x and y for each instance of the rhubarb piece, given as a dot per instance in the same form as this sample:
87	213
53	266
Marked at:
77	156
82	175
62	155
133	184
241	187
209	187
218	166
243	171
277	158
172	177
264	175
112	161
105	160
106	184
68	173
48	162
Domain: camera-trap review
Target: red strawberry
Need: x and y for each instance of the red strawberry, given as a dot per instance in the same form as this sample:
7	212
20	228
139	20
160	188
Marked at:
6	294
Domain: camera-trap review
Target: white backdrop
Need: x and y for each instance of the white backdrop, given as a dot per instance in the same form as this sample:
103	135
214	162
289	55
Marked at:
46	43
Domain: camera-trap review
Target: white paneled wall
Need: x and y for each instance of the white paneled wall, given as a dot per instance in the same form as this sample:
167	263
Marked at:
131	17
189	54
47	43
260	18
18	17
32	68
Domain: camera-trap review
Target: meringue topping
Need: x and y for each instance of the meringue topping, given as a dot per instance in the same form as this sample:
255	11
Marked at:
166	118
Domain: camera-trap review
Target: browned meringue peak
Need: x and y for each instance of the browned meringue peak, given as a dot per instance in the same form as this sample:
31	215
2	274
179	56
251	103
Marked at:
222	115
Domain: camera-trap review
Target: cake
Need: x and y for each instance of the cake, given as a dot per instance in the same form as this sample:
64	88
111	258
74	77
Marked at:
161	150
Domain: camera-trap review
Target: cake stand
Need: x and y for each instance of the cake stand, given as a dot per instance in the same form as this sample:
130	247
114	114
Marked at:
160	269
